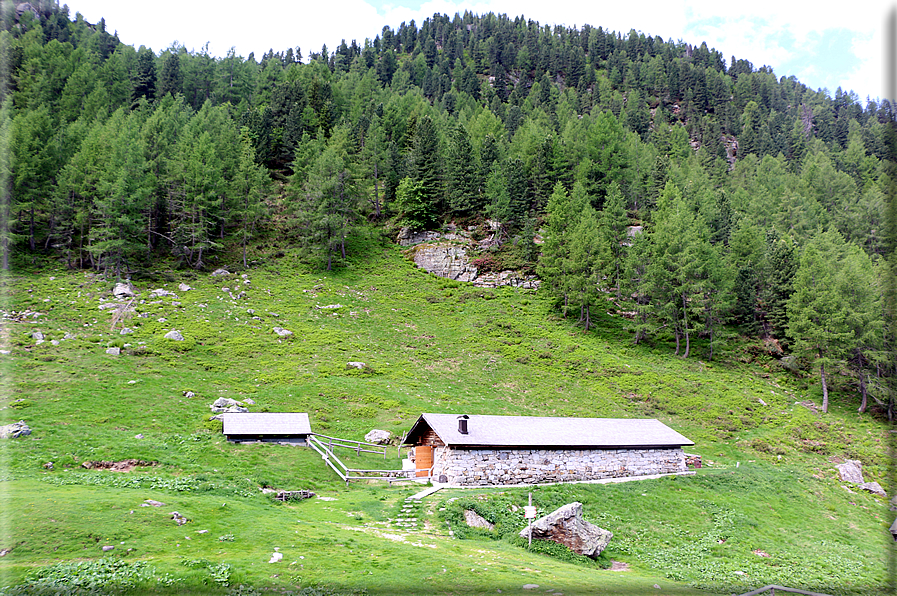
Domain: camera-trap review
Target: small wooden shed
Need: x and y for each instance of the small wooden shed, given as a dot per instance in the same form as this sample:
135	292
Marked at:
504	450
269	427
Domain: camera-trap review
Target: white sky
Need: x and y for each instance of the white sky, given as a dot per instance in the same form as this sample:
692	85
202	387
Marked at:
825	46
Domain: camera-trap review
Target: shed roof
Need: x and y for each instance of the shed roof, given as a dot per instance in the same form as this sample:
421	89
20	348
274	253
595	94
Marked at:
538	431
266	423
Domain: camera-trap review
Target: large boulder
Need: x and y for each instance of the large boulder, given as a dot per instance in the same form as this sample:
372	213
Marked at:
380	437
15	430
851	471
566	526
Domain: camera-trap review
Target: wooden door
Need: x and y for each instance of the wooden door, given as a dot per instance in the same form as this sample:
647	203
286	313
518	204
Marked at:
423	458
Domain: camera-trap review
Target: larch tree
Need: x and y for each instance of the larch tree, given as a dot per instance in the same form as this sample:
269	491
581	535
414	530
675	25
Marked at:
818	316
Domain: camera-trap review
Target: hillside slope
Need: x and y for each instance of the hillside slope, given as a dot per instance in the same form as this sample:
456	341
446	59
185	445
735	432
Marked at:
766	508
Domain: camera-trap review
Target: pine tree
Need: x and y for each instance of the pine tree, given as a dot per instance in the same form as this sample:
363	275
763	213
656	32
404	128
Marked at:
461	173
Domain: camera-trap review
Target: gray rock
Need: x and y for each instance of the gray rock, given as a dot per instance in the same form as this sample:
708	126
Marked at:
409	237
893	529
69	336
874	488
282	332
138	436
220	272
358	365
380	437
113	351
174	335
189	394
108	548
15	430
249	401
475	520
851	471
161	293
566	526
225	405
123	290
224	402
37	336
55	342
126	331
151	503
184	287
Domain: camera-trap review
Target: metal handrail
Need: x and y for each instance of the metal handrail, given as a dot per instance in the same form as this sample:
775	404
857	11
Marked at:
772	590
355	446
346	474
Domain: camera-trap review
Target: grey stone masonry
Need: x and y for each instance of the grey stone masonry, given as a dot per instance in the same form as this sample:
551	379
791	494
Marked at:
496	467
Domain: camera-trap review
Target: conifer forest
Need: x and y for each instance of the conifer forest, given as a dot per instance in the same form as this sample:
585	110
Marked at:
693	190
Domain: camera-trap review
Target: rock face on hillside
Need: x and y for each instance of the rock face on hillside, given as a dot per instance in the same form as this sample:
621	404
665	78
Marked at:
447	254
566	526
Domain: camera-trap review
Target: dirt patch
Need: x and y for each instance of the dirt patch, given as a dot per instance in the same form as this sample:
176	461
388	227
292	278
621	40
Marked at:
619	566
126	465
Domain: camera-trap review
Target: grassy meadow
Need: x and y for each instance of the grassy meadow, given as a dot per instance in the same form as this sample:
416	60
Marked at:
767	507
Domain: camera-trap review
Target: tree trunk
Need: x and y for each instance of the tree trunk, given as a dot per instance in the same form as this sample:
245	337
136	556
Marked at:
863	392
824	388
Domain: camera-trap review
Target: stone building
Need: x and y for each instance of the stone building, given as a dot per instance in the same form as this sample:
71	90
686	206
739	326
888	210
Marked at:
507	450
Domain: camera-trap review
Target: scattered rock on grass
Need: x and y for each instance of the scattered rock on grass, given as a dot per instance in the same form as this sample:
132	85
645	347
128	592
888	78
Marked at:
380	437
220	272
475	520
174	335
123	290
225	405
282	332
178	518
184	287
358	365
15	430
113	351
108	548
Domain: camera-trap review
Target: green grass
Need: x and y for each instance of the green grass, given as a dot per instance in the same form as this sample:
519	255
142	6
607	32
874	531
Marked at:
430	345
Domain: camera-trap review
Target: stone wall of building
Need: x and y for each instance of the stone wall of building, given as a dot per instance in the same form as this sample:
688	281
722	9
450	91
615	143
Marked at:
489	467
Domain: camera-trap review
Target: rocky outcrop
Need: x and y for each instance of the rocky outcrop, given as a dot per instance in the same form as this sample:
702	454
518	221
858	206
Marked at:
225	405
448	255
566	526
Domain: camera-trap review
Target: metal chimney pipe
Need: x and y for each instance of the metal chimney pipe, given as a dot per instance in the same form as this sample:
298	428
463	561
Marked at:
462	424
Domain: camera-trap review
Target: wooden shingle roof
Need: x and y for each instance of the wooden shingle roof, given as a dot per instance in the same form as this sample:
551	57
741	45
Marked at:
537	431
266	423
